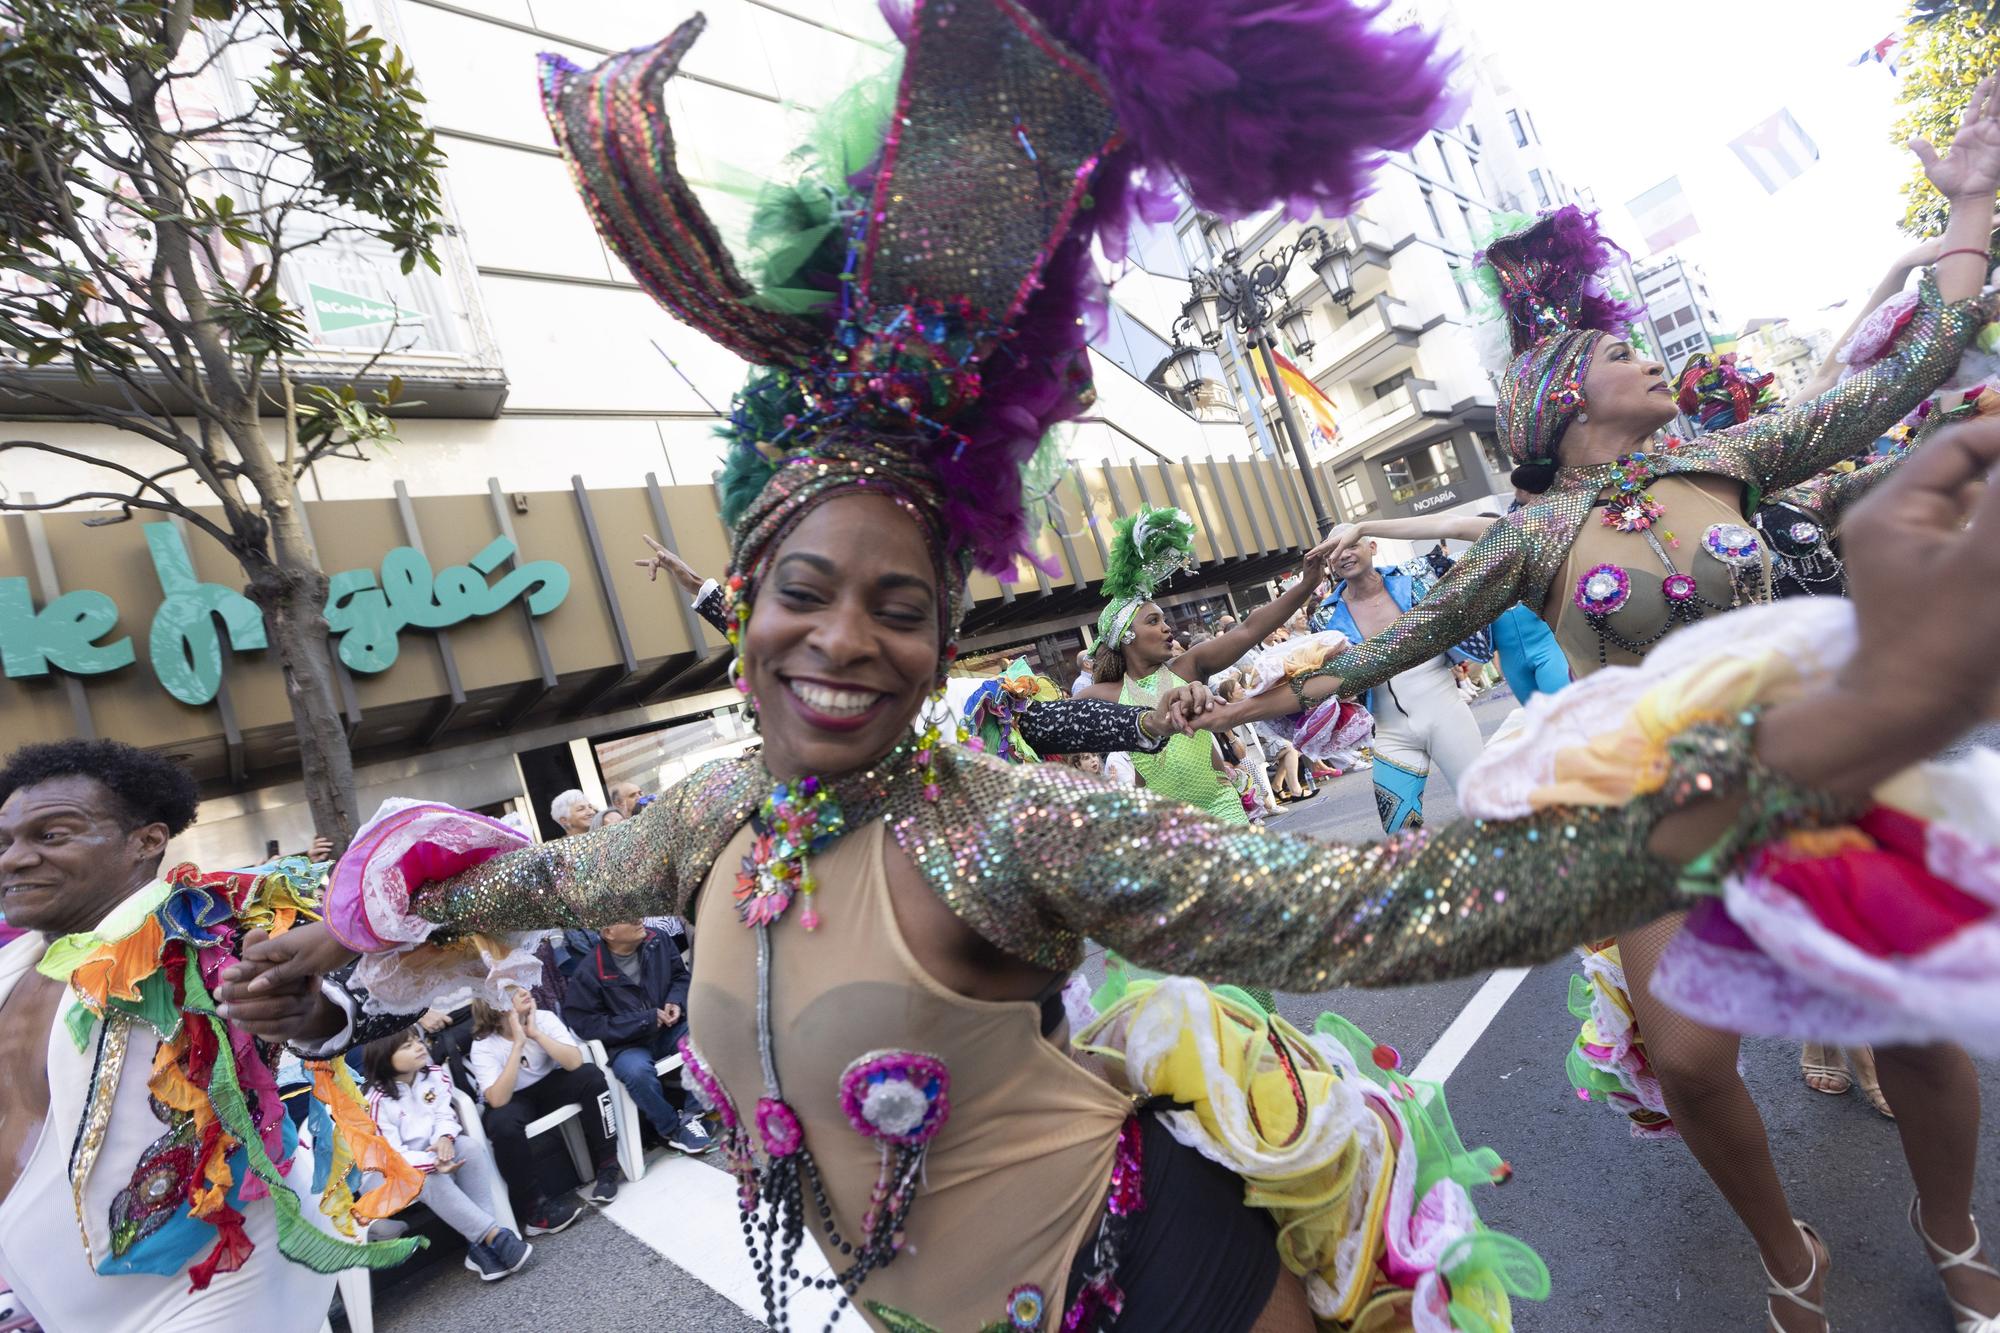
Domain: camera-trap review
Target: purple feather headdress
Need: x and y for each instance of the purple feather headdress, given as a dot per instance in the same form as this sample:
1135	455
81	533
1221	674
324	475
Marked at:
958	267
1550	278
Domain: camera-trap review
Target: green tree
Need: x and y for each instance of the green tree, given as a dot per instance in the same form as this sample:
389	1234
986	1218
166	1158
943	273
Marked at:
145	229
1948	47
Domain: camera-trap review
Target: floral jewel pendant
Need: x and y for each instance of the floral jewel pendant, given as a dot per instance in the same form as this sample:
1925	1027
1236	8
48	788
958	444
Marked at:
796	820
1634	511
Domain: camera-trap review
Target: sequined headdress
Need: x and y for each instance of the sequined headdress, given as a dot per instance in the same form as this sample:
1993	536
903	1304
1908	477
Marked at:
1147	549
917	294
1722	393
1547	276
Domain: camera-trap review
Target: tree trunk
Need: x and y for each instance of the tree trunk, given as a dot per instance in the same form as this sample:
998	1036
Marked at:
293	599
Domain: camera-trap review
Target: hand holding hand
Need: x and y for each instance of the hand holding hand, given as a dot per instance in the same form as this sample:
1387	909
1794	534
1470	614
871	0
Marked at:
274	991
662	558
670	1014
1179	710
447	1154
1970	168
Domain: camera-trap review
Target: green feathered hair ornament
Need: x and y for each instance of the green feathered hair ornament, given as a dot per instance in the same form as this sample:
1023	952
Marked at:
1147	548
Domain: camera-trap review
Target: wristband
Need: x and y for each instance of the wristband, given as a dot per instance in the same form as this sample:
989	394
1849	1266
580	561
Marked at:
1979	250
1139	722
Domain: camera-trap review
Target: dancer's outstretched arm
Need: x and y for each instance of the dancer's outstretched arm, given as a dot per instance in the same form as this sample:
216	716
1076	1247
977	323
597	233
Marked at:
1791	446
1226	649
1175	889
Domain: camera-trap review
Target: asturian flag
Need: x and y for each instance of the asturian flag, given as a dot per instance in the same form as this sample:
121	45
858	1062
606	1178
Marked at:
1882	53
1663	215
1776	150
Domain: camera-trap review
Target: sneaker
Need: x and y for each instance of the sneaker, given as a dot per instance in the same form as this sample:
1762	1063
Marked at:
503	1256
605	1188
691	1139
552	1215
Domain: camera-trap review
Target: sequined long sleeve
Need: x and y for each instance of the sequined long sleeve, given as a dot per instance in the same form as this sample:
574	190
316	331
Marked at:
1791	446
1085	726
1828	496
1174	889
1487	579
630	870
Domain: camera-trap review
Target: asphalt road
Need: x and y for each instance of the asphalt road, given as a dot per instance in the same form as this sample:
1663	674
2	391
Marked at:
1634	1236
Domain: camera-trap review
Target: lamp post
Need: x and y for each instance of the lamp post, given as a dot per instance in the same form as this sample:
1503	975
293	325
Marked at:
1251	300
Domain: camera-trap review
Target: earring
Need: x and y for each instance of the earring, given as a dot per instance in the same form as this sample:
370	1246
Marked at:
1583	416
739	617
936	713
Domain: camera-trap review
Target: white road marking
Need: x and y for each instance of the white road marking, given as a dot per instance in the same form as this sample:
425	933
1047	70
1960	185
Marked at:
1471	1023
686	1211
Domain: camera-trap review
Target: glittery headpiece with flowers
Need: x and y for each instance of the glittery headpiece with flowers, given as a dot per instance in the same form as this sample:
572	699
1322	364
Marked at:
1722	393
1147	549
918	293
1547	277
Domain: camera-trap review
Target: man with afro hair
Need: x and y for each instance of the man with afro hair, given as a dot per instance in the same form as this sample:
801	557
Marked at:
84	828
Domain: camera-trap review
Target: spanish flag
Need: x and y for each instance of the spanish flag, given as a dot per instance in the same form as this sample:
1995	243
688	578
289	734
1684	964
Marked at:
1320	425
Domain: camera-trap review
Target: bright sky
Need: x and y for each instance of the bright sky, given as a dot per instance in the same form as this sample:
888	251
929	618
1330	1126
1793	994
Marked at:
1627	95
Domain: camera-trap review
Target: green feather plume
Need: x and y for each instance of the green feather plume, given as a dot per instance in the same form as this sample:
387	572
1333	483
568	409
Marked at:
1136	567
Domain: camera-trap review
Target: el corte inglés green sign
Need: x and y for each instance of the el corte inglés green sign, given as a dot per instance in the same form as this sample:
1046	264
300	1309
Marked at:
367	612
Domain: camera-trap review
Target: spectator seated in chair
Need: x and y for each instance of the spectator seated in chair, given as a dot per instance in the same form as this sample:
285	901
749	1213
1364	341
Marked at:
410	1099
631	994
526	1064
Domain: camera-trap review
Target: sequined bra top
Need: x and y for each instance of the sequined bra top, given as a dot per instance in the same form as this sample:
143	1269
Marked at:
1526	556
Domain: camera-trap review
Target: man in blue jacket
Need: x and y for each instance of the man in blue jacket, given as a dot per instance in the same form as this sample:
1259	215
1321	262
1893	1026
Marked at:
630	993
1420	718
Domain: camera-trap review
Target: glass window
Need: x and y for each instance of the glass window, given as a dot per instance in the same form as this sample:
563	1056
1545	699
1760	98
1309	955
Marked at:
1533	133
1520	131
1541	186
1430	207
1390	385
1444	155
1489	447
1353	500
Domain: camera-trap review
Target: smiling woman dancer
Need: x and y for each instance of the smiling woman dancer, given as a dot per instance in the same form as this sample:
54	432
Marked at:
1634	536
868	1025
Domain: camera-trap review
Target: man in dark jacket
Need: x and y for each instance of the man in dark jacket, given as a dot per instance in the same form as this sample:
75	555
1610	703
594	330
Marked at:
630	993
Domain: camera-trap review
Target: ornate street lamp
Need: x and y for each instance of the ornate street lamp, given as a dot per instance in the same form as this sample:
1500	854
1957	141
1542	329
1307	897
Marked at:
1335	272
1182	369
1251	300
1296	325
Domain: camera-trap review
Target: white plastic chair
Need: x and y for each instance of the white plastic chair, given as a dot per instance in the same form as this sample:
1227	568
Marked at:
631	1152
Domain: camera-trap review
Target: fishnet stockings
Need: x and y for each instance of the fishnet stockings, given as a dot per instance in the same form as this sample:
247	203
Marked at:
1287	1310
1933	1090
1717	1119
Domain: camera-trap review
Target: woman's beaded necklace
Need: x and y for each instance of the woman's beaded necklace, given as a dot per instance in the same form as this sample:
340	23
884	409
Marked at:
1602	590
898	1099
1631	507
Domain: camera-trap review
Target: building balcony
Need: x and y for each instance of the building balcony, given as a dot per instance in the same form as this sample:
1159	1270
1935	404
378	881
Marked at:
1393	417
1367	345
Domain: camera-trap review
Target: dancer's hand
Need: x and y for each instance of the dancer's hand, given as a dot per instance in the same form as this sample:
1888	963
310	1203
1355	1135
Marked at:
1970	168
664	559
1924	570
1343	538
1180	710
291	1008
271	962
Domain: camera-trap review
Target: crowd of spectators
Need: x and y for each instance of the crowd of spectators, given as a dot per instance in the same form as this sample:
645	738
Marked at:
625	986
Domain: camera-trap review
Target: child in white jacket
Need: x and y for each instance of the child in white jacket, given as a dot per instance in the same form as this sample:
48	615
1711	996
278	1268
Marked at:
411	1101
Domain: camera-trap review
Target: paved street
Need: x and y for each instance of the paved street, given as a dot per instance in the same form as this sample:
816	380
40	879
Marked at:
1634	1237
